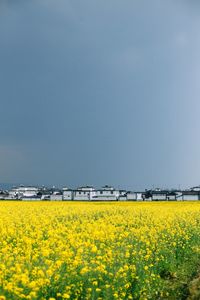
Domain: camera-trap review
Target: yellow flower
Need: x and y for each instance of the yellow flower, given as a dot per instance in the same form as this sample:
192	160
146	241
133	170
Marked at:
94	249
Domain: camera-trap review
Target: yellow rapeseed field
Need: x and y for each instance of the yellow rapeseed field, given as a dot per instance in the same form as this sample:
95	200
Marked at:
67	250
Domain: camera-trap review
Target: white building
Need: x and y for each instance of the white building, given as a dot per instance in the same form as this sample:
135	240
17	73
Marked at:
85	193
122	192
179	195
195	189
107	193
4	195
56	196
131	196
172	196
68	194
13	194
190	195
159	195
139	196
45	196
22	192
122	198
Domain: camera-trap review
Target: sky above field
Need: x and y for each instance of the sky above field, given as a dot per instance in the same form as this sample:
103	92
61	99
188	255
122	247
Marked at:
100	92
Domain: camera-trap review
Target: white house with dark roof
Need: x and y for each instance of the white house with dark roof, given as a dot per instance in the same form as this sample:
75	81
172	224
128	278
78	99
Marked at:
56	196
13	193
68	194
4	195
191	195
107	193
139	196
24	192
122	195
45	196
195	188
131	196
84	193
159	195
172	196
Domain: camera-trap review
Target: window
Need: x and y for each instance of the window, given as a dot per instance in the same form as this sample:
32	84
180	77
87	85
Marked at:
112	192
101	192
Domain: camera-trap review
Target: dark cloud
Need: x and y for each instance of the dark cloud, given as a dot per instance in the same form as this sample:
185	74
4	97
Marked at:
99	93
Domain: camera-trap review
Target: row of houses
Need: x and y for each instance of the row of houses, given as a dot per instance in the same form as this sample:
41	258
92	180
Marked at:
106	193
85	193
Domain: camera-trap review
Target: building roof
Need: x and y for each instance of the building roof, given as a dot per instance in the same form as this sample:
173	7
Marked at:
85	187
190	192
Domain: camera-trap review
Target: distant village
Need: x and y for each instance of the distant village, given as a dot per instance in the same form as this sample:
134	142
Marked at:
89	193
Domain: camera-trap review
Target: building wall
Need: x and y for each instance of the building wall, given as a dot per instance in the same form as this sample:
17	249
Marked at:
12	194
81	197
84	195
190	197
45	197
105	198
122	198
139	196
159	197
55	197
106	195
171	198
67	195
131	196
30	199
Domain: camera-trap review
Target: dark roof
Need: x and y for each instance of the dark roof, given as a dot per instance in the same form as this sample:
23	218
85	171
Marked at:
191	192
172	193
107	187
195	187
163	192
57	194
86	186
4	193
106	190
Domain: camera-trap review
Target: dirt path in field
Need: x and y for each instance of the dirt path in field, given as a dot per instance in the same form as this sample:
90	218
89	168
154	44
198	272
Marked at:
194	288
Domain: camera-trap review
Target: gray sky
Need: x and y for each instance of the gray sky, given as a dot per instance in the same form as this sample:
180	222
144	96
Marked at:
100	92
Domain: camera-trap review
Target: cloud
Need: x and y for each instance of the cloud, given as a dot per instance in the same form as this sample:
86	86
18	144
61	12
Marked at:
94	86
12	160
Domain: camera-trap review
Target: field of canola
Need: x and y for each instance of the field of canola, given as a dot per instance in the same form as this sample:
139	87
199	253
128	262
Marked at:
56	250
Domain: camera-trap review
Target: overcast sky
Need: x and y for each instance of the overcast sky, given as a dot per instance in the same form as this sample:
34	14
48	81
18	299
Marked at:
100	92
